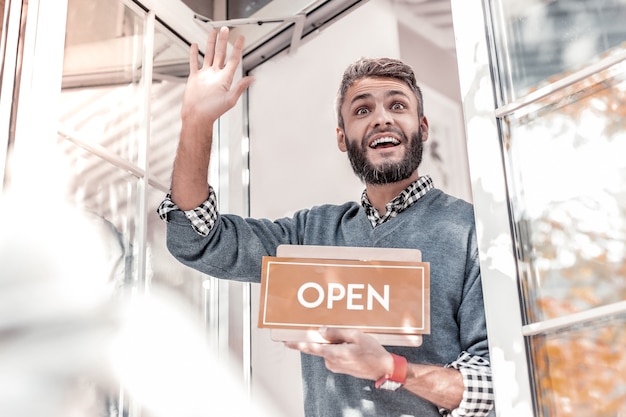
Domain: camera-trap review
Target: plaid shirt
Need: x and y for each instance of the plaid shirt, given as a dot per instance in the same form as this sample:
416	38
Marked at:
476	371
403	201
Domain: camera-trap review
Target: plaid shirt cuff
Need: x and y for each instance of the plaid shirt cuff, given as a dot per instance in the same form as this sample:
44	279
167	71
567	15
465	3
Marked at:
478	395
202	218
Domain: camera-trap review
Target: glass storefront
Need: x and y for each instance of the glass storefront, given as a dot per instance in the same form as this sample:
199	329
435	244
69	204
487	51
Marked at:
581	370
560	77
568	190
539	43
118	121
559	82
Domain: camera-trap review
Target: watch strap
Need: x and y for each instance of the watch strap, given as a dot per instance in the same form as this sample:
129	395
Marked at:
400	369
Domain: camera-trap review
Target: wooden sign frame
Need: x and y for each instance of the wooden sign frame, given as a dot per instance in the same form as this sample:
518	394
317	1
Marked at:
403	264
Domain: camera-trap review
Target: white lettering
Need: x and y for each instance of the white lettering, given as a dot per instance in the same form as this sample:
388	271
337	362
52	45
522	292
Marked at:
337	292
335	296
372	293
320	294
352	296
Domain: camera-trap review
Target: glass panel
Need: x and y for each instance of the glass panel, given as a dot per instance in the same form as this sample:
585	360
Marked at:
109	194
10	73
166	272
582	372
568	189
238	9
171	67
2	4
171	56
539	42
104	47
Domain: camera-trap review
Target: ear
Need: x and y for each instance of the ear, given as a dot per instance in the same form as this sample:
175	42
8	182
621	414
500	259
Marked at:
341	140
424	127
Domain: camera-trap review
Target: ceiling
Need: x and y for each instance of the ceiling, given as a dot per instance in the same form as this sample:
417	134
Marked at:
94	38
431	19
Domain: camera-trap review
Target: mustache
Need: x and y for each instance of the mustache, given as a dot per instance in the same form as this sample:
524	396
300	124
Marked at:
378	131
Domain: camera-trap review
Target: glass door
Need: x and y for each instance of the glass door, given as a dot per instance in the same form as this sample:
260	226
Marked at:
558	274
91	114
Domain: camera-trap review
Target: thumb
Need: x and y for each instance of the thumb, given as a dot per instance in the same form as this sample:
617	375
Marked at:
241	86
337	335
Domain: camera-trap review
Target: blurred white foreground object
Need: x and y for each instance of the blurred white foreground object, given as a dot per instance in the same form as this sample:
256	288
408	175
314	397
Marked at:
67	341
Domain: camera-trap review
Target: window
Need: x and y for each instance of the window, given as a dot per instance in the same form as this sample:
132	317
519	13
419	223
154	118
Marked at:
552	234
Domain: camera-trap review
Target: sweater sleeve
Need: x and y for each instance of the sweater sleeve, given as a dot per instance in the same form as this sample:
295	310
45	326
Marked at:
232	247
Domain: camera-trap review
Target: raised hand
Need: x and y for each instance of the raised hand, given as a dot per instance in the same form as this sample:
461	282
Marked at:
210	92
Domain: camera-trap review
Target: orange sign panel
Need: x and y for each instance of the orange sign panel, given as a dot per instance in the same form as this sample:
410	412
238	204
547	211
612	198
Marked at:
391	297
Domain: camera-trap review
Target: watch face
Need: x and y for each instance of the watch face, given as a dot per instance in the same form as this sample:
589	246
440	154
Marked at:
390	385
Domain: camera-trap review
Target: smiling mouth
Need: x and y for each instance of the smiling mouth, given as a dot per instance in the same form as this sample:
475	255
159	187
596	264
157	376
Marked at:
384	142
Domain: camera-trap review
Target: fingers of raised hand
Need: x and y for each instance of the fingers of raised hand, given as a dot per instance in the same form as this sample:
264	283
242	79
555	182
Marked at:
221	47
193	58
209	49
215	55
215	50
237	52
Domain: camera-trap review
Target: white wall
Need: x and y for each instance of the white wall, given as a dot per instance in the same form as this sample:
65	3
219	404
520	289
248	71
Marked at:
292	117
294	160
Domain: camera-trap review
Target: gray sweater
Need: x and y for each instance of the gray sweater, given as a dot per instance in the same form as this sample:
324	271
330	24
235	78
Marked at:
441	226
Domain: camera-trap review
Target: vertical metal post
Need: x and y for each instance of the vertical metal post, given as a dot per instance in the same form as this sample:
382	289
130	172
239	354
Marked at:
9	75
35	104
144	149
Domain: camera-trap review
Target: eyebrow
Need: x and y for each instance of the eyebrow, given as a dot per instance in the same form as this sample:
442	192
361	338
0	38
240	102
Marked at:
389	93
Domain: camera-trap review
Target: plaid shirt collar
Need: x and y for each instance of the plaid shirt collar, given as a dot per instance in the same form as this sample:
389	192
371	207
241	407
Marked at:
404	200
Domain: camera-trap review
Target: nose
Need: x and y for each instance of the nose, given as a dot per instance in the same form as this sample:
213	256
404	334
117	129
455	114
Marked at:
382	117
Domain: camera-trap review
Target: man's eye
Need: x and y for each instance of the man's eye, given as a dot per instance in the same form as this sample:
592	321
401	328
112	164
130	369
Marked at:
398	106
361	111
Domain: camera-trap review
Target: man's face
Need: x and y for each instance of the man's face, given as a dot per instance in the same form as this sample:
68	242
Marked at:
383	133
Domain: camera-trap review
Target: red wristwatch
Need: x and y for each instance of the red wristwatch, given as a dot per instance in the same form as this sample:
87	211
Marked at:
397	379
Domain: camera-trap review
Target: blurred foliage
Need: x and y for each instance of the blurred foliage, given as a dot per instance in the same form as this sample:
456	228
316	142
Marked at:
569	179
582	372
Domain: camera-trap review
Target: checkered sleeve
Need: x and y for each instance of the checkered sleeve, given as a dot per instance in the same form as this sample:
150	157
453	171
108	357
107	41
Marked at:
478	395
202	218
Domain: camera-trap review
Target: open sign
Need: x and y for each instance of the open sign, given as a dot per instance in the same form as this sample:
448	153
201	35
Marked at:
376	296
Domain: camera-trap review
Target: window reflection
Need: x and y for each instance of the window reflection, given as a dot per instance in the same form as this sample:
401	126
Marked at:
238	9
102	74
102	135
163	270
541	41
171	68
109	194
568	183
582	372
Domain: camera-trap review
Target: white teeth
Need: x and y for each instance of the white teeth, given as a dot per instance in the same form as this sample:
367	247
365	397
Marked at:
384	140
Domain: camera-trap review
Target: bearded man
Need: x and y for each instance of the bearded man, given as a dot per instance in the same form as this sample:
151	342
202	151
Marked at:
382	127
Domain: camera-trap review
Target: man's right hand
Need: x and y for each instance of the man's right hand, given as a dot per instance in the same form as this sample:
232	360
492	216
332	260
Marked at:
209	94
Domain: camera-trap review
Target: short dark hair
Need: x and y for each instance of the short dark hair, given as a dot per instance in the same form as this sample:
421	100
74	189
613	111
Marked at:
377	68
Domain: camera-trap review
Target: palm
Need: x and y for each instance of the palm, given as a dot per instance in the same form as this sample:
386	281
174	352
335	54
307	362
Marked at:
209	92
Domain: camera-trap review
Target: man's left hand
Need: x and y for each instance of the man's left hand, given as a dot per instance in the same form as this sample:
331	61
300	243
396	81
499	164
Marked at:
349	352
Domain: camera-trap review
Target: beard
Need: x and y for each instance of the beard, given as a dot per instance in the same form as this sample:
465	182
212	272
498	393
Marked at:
389	171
